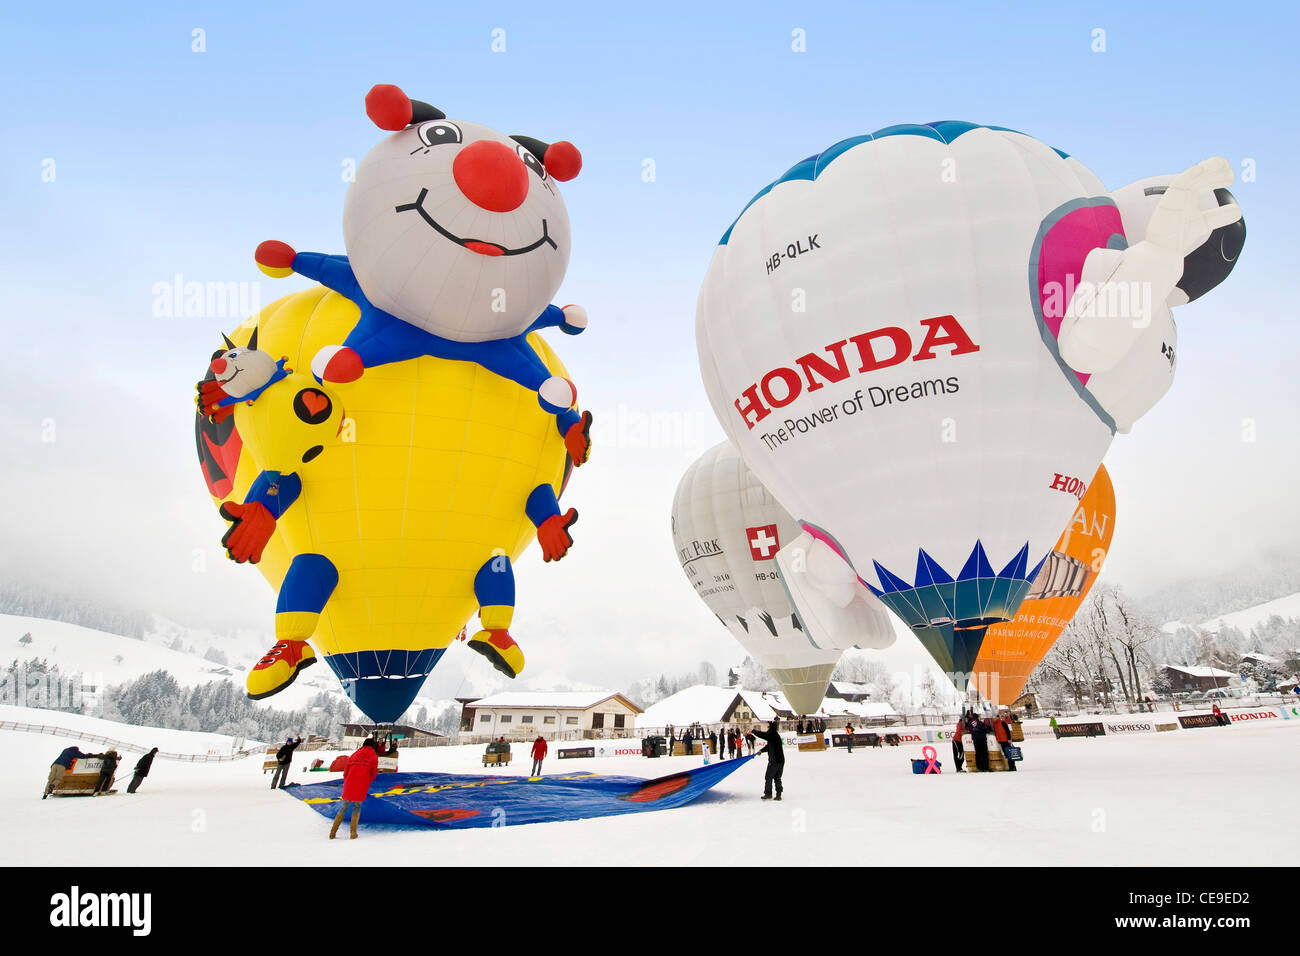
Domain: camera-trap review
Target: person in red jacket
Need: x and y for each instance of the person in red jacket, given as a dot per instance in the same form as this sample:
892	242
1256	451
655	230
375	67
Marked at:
358	775
539	753
1002	734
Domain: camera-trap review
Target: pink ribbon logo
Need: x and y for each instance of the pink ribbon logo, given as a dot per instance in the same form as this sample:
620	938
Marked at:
930	755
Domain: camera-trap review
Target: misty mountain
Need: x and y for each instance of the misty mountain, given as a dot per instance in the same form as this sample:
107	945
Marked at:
1223	590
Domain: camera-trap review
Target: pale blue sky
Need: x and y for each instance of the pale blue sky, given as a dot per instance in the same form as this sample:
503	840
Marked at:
169	161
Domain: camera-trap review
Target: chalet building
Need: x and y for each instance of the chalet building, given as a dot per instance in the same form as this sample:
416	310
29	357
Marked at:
1189	677
354	734
713	706
524	714
844	690
1028	702
1264	660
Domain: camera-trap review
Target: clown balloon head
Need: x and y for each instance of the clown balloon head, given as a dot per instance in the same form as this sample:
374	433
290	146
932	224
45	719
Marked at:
454	227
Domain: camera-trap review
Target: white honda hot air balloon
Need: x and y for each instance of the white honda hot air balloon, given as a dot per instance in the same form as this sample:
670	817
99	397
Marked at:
900	337
727	530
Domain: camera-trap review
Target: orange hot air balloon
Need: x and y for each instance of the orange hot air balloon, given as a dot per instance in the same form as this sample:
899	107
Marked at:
1013	649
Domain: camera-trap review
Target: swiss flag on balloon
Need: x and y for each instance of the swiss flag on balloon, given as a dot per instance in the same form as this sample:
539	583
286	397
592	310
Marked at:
763	544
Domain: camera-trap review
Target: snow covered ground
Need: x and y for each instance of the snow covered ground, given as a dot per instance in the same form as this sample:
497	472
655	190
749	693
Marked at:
1287	608
1205	797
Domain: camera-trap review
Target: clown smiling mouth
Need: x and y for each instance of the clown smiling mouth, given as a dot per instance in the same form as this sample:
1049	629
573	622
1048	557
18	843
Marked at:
480	246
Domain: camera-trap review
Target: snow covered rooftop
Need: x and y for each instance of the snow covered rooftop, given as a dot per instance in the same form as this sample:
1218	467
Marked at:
1196	670
1258	658
710	705
701	703
548	700
865	708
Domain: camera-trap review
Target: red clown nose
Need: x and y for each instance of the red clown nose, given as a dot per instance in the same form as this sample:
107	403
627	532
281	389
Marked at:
491	175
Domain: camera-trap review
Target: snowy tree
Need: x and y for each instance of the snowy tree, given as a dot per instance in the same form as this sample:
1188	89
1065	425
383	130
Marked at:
216	656
1134	631
753	676
1069	661
931	694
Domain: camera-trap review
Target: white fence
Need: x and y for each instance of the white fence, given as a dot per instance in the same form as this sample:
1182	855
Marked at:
56	731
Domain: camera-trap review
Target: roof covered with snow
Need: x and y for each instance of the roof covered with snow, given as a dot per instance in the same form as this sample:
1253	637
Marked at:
549	700
1195	670
699	704
1258	658
710	705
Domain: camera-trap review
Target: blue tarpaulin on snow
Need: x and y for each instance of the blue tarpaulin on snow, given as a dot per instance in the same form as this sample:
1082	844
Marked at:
459	801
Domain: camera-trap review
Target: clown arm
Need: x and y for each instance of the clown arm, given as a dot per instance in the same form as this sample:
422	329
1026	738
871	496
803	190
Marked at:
253	522
275	492
571	319
543	510
278	259
333	272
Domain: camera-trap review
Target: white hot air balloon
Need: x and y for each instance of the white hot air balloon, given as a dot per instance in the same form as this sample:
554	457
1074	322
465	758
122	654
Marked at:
727	530
901	338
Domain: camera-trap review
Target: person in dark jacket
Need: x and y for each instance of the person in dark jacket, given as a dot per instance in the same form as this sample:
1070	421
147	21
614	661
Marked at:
775	759
958	748
62	764
142	767
109	768
979	737
283	758
687	741
361	770
713	744
750	741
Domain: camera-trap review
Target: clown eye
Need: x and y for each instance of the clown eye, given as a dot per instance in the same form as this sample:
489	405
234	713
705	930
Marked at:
531	161
438	133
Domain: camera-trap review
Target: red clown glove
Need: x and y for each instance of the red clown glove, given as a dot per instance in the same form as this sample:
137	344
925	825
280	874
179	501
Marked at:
553	533
210	394
251	528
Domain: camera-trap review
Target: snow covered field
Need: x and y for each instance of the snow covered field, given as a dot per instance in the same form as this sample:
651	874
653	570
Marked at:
1203	797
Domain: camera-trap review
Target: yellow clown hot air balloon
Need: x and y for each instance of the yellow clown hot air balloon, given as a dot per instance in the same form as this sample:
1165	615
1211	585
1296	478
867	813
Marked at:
385	511
387	471
1013	649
